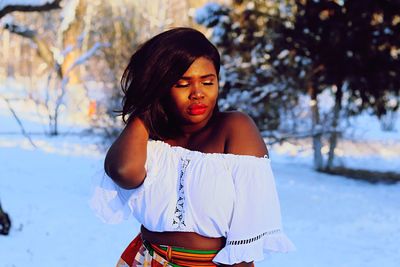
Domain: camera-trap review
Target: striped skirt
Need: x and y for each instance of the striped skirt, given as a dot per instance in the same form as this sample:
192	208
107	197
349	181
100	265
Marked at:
143	253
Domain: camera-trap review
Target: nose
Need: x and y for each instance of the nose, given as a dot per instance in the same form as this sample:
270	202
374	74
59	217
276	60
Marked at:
197	91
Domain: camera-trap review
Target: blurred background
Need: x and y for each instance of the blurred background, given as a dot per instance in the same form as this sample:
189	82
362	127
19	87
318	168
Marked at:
319	77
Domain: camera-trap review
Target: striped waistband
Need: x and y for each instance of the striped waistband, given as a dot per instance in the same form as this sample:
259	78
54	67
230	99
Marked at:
178	257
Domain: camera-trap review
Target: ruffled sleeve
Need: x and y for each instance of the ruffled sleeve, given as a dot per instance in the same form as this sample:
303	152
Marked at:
255	226
113	203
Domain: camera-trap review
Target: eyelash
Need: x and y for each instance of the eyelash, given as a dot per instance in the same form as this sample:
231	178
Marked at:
186	85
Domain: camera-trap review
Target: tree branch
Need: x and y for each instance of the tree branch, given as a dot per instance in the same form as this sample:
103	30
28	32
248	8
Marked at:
19	122
43	49
50	5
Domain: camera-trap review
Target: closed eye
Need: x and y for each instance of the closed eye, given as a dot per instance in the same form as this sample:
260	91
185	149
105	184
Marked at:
208	83
181	85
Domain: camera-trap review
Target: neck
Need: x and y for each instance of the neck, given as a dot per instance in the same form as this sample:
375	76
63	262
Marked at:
192	129
189	131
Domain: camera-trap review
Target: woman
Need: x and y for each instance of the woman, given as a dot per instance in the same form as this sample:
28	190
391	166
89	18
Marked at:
197	179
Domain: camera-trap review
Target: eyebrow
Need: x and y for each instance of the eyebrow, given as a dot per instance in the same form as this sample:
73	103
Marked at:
201	77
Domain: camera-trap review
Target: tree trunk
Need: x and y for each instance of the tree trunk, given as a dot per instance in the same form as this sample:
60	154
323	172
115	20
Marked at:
335	121
70	39
316	128
6	44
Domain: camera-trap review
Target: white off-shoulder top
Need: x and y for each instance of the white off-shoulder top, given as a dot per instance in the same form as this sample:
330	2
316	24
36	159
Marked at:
212	194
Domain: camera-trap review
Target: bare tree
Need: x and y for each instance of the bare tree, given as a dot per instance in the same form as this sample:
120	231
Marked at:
61	58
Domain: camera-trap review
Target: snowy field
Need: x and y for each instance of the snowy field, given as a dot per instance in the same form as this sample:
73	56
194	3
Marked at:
333	221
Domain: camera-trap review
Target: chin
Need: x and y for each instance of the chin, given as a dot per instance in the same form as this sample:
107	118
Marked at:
195	119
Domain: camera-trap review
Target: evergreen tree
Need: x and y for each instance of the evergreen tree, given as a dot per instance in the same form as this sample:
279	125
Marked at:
353	47
245	34
274	50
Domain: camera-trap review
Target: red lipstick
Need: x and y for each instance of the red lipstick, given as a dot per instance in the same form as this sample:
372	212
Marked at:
197	109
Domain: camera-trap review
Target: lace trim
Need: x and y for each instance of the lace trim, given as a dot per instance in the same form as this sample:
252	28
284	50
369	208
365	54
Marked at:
246	241
179	215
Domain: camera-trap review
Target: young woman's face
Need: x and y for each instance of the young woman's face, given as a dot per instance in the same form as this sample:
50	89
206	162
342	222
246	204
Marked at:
194	96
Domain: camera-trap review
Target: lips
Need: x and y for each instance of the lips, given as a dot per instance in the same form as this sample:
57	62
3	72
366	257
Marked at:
197	109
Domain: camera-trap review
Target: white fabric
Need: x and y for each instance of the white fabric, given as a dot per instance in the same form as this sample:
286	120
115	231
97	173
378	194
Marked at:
212	194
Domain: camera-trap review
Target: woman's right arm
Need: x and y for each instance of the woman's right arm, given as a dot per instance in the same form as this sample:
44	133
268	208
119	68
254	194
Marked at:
126	158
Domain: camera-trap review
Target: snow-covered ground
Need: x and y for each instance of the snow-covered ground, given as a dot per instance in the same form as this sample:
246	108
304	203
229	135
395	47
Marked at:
333	221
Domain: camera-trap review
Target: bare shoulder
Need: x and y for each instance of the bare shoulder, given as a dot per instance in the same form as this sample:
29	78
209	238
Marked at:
242	135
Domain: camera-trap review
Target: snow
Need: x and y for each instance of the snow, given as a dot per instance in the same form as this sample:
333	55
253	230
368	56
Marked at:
213	15
206	14
45	192
333	221
68	14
